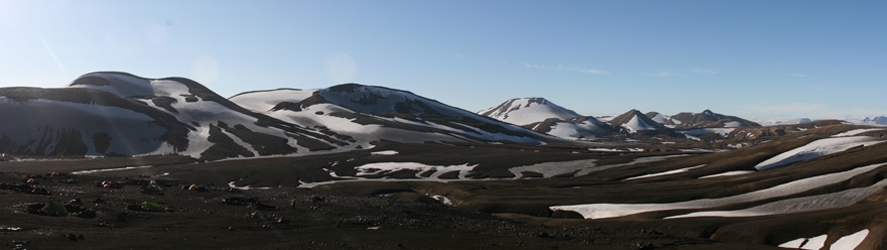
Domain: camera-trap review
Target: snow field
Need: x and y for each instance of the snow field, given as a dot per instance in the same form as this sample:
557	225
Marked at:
817	148
856	132
609	210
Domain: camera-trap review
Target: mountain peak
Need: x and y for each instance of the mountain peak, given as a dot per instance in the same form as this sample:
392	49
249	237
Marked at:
523	111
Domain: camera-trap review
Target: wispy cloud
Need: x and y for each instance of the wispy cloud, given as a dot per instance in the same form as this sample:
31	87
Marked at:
591	71
798	75
535	66
703	71
664	73
796	107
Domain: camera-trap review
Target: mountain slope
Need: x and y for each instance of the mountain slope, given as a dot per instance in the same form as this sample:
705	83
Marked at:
112	113
523	111
369	113
707	119
576	128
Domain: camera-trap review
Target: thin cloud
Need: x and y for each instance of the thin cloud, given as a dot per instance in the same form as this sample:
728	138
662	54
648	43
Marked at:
535	66
592	71
798	75
703	71
664	73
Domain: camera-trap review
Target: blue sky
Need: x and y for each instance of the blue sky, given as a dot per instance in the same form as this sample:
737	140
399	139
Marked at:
762	59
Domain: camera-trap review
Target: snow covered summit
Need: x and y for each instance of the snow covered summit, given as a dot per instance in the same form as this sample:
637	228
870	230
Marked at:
523	111
635	121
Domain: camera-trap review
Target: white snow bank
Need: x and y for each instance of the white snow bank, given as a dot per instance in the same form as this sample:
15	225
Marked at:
386	152
676	171
606	149
817	148
850	242
391	167
856	132
732	124
701	131
609	210
793	244
802	204
729	173
264	101
382	168
815	243
93	171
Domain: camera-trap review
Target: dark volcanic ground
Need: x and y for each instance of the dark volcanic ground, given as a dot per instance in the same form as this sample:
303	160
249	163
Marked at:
200	219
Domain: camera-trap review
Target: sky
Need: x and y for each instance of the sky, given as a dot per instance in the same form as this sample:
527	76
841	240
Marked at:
753	59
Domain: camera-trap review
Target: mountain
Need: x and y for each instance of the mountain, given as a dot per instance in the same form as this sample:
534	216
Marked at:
659	118
635	121
707	119
371	113
114	113
576	128
880	120
523	111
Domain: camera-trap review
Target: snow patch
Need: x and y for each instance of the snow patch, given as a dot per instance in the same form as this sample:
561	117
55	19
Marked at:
816	148
609	210
670	172
856	132
850	242
730	173
386	152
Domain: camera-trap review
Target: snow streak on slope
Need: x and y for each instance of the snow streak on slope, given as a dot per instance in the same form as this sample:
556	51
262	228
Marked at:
817	148
576	128
266	100
816	202
609	210
525	111
670	172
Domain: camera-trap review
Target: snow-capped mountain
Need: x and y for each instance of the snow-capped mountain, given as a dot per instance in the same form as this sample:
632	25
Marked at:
110	113
523	111
880	120
707	119
576	128
370	113
635	121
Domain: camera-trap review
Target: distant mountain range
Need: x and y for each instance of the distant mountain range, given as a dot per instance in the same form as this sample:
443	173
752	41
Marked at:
115	113
544	116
